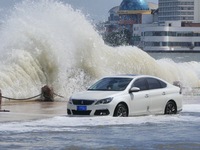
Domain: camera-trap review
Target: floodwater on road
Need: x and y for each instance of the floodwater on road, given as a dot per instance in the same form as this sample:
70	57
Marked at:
40	125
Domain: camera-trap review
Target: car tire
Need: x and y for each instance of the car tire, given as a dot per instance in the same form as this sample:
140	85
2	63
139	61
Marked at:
121	111
170	108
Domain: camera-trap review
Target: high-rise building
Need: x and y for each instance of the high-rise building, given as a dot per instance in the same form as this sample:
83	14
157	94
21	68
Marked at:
179	10
178	27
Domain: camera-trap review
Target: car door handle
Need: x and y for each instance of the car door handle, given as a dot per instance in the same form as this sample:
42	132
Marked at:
147	95
163	93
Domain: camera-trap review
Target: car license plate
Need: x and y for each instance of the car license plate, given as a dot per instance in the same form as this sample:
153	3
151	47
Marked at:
82	108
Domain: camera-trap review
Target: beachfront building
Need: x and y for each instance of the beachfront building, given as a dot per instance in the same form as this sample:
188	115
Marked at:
128	14
113	19
133	14
178	27
179	10
174	26
172	36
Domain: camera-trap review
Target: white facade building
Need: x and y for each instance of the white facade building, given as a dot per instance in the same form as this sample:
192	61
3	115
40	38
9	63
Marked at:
178	27
173	36
174	10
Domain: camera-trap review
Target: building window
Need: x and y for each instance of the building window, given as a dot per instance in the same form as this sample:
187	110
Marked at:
170	33
171	44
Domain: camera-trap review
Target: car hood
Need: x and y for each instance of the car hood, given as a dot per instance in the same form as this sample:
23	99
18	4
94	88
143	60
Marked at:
95	95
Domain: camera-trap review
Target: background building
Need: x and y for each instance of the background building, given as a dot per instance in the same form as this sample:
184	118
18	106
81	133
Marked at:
113	19
174	26
173	36
179	10
178	27
128	14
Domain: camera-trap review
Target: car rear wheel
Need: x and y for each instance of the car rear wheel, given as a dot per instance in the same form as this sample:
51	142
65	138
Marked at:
121	111
170	108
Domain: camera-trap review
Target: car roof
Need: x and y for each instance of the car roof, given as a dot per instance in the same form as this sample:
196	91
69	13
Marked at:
127	76
131	76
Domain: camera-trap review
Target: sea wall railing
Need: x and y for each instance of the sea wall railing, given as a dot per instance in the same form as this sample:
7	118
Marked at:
47	94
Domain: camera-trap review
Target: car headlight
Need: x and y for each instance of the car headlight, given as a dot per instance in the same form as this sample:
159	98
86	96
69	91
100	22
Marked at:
104	101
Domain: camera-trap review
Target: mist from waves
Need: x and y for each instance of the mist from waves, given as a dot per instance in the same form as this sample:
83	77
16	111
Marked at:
48	42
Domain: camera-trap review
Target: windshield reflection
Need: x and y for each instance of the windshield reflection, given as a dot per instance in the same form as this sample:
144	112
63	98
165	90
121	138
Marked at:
111	84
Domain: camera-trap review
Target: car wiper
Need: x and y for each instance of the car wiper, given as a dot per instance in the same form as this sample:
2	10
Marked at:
98	90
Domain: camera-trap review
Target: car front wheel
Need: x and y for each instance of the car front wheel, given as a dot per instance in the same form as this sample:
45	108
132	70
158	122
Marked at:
121	111
170	108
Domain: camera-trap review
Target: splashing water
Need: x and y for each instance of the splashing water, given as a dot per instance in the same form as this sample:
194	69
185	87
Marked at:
47	42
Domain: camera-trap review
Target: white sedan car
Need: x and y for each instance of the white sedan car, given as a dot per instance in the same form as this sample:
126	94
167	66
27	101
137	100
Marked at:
127	95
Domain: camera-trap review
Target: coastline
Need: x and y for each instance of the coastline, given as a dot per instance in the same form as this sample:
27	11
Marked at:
170	51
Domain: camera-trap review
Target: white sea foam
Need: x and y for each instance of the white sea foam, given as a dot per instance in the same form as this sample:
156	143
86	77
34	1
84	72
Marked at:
47	42
191	108
73	124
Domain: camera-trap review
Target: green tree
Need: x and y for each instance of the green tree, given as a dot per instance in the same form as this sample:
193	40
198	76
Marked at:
120	37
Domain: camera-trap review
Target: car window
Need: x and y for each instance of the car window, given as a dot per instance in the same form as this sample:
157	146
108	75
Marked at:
163	84
140	83
153	83
111	84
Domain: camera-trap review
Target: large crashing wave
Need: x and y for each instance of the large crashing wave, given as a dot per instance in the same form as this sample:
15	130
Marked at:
47	42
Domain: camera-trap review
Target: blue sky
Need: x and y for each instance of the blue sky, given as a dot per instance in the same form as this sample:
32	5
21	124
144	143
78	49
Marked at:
97	10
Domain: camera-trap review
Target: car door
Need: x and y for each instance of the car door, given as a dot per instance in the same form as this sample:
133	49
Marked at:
157	95
140	100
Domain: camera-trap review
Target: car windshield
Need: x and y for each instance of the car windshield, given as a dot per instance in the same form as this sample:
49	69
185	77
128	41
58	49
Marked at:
111	84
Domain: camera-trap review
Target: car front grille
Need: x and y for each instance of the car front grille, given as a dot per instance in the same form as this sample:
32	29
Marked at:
76	112
82	102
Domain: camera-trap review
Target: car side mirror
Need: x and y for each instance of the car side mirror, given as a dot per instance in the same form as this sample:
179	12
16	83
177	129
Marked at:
134	89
